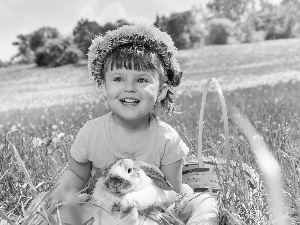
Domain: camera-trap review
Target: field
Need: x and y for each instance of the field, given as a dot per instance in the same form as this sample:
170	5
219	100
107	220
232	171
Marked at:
42	109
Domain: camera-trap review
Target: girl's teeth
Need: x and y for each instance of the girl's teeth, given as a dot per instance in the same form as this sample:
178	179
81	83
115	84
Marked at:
129	101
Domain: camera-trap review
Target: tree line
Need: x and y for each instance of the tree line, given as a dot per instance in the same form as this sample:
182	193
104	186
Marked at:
220	22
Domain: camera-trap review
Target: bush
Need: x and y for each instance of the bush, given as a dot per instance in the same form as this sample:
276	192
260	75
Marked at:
57	52
48	54
219	29
71	55
273	22
185	28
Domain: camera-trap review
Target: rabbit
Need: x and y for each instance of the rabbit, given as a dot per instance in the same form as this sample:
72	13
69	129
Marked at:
121	189
128	183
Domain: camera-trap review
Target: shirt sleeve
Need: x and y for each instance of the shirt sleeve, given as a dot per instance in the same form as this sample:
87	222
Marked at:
174	148
79	148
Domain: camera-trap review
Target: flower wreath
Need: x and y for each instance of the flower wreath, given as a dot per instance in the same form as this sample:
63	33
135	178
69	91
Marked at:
150	36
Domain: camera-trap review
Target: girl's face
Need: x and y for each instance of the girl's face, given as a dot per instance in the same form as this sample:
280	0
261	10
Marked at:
131	95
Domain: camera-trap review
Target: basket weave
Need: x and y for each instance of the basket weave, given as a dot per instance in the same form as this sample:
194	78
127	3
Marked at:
201	174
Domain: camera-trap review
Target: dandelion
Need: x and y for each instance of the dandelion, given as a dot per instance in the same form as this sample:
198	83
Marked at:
54	127
4	222
13	127
60	136
43	117
37	142
61	122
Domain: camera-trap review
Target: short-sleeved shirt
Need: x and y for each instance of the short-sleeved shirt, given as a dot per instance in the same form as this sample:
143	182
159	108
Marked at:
95	143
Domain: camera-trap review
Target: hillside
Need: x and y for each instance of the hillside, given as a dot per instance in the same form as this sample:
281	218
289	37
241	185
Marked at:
235	66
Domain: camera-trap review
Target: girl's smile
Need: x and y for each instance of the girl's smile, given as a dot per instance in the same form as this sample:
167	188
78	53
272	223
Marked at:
131	94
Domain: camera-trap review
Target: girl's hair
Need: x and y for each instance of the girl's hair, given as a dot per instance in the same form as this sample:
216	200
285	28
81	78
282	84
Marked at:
137	47
141	58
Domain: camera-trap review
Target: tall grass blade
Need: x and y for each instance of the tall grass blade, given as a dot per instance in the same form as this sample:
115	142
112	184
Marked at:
269	168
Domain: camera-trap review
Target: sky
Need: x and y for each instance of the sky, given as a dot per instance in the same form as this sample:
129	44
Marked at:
26	16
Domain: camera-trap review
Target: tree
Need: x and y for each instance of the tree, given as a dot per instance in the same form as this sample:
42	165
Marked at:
219	29
184	28
25	54
29	43
57	52
277	21
235	10
39	37
84	32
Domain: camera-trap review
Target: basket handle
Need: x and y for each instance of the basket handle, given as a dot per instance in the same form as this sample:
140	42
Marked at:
225	119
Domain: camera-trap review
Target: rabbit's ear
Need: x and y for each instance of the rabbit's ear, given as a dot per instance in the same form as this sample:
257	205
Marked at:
156	175
102	172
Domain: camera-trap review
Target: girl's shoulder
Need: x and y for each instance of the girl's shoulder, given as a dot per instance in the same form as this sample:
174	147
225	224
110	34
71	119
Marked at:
96	122
165	129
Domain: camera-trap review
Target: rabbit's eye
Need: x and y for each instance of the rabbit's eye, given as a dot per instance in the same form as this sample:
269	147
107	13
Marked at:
129	170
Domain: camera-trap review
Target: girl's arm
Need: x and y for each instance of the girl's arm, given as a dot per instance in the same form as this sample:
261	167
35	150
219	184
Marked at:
71	182
173	173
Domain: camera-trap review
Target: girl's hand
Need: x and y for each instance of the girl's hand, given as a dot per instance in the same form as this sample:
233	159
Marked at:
51	203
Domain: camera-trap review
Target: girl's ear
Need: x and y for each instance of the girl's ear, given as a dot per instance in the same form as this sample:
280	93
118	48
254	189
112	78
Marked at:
162	92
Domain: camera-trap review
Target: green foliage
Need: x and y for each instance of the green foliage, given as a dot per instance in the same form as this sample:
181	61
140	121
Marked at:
280	21
84	32
219	29
72	54
234	10
272	22
24	55
29	43
39	37
184	28
57	52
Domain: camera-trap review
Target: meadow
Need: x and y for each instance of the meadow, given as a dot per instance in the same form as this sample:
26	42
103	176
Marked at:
42	109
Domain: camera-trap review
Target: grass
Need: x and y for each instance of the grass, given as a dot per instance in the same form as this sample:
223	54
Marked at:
43	108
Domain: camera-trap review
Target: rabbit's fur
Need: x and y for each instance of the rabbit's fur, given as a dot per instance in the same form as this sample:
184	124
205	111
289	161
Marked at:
128	183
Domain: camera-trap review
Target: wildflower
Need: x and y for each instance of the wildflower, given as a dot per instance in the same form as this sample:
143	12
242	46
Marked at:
60	136
37	142
54	127
4	222
61	122
13	127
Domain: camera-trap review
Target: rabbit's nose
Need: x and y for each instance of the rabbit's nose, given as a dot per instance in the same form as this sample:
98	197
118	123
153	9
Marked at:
116	181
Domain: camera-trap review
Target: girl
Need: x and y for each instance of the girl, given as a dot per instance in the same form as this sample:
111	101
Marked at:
137	69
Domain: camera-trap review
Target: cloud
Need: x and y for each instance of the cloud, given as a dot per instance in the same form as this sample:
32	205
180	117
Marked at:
4	9
112	13
7	5
89	9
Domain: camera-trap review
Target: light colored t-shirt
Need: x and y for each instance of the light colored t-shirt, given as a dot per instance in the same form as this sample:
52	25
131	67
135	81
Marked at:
94	143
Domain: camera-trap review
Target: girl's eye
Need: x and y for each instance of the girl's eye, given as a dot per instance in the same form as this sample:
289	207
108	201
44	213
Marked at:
118	79
142	80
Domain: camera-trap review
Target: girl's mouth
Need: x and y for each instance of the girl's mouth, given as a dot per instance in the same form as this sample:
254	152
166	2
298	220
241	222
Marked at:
129	101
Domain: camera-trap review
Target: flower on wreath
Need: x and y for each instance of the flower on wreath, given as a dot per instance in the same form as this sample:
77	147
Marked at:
140	34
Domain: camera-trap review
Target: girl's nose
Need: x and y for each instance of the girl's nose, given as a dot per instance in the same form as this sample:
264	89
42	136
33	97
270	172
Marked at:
130	87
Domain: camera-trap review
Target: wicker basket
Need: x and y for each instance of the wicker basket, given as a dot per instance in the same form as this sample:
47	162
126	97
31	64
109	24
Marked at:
201	174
